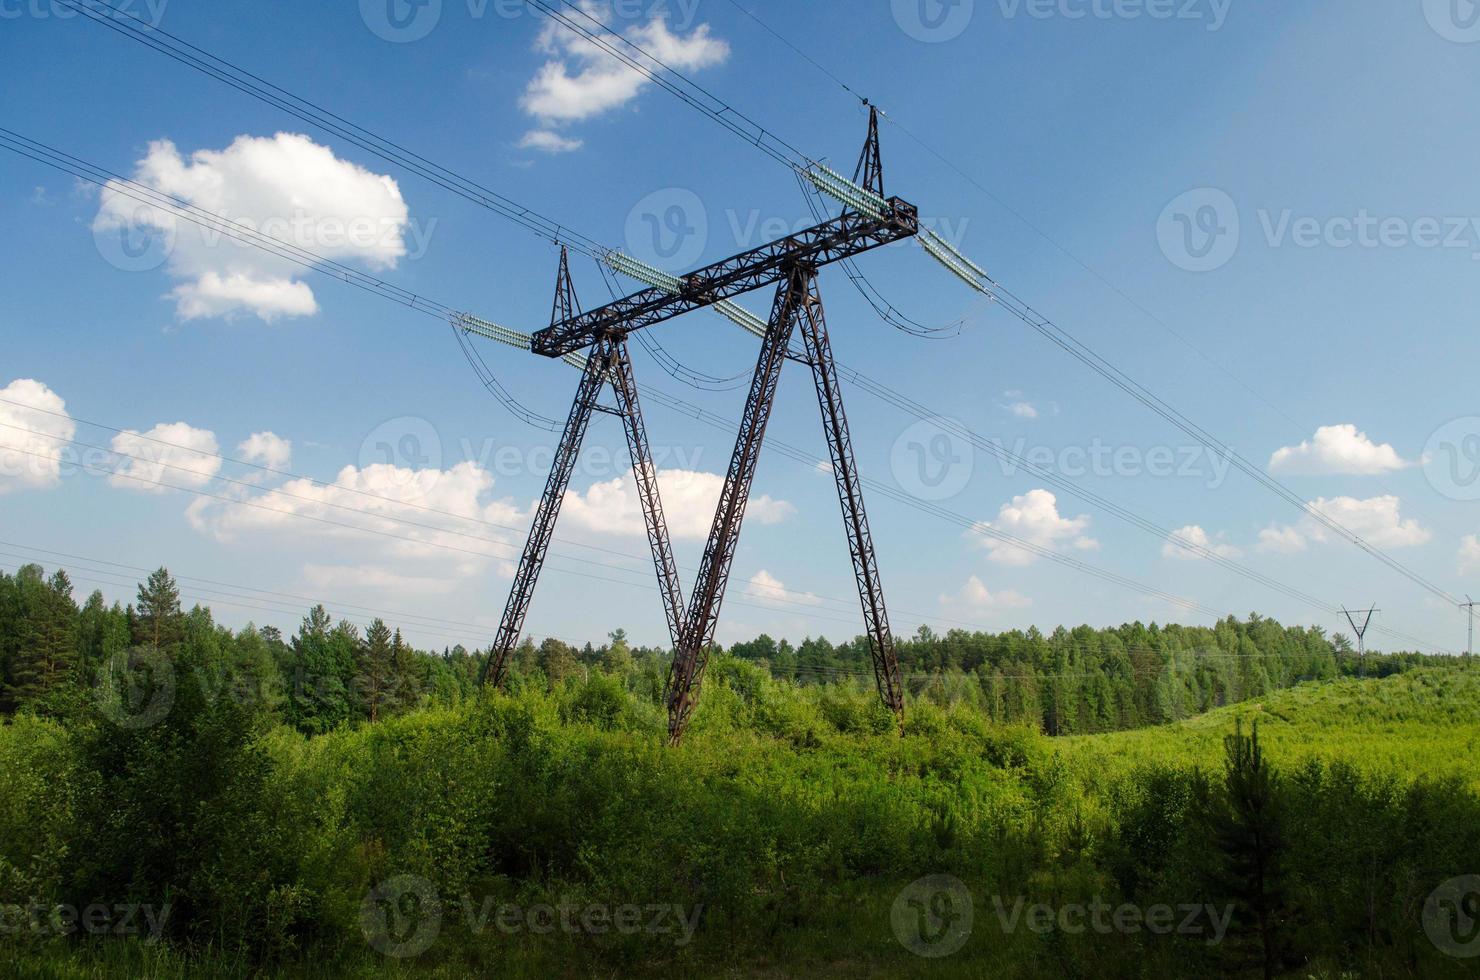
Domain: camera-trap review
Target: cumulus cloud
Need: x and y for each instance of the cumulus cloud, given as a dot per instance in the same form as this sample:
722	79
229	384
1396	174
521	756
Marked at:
1377	520
381	509
581	80
34	430
768	588
689	501
1337	450
548	141
375	578
975	597
1469	554
169	456
1023	410
267	449
284	186
1033	517
1199	539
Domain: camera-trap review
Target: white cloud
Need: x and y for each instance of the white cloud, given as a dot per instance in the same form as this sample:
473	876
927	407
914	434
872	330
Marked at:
1198	538
1469	554
768	588
375	578
267	449
975	597
548	141
381	510
581	80
1023	410
34	431
689	501
1337	449
172	455
284	186
1033	517
1377	520
1278	540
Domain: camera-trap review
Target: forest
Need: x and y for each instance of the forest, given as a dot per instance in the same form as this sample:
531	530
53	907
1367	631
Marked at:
179	799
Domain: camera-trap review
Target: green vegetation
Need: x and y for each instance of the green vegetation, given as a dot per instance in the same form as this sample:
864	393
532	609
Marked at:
271	827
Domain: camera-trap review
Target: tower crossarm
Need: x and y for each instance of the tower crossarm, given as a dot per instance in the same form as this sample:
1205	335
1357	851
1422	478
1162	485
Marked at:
850	234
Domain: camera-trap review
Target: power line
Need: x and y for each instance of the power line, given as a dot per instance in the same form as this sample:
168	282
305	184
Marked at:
307	258
135	28
857	196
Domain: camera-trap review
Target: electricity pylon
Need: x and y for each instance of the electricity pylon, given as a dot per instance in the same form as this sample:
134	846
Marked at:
791	265
1361	631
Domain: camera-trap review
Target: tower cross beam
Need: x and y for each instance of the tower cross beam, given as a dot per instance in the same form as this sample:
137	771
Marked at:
850	234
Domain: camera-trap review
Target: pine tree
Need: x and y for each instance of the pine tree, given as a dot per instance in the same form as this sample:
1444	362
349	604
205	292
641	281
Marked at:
44	660
159	623
375	670
557	660
1246	817
406	690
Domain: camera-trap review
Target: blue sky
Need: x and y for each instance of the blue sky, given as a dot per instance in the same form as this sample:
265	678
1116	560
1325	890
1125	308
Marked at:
1265	214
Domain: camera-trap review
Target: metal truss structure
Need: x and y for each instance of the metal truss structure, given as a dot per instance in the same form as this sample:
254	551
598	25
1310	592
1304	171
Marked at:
608	360
791	264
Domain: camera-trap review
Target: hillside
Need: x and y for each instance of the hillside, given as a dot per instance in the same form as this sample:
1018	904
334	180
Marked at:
1422	723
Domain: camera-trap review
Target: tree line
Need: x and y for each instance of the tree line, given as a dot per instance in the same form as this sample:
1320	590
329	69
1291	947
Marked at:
53	653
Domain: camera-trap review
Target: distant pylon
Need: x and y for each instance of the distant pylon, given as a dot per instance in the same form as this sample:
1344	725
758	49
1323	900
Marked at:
1361	631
